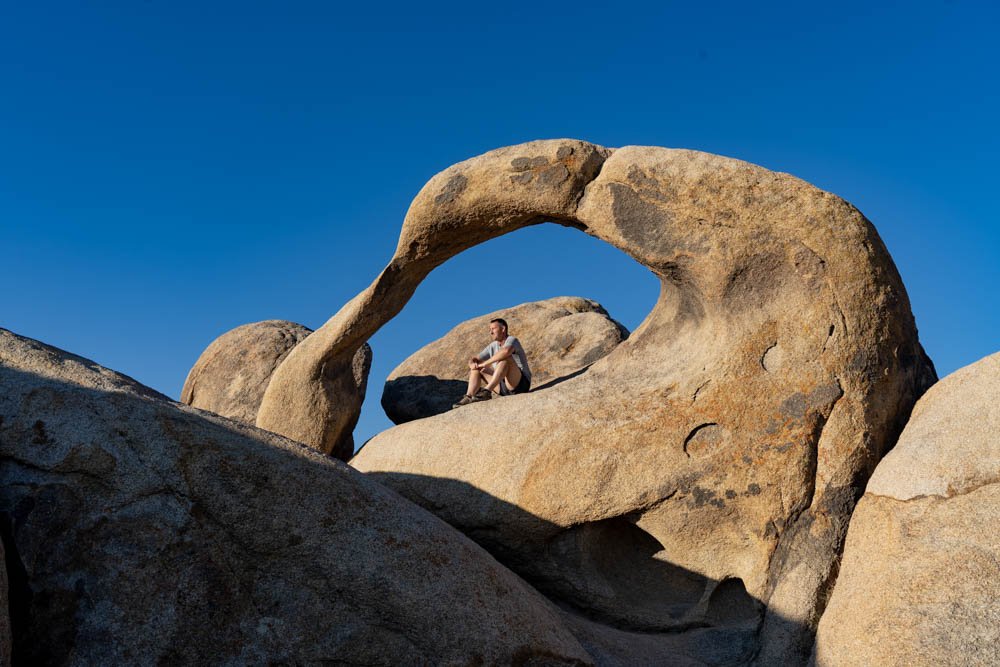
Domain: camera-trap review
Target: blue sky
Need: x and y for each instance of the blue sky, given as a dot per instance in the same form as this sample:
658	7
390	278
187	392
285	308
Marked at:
169	171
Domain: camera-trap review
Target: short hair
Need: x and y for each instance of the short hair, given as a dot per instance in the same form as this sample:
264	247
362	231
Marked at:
501	321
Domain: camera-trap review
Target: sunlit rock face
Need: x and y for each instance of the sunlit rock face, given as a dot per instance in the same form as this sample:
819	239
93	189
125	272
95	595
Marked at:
700	477
141	531
231	375
562	336
920	577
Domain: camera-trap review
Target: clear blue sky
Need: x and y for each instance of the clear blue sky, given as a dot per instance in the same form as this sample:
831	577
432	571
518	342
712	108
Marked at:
171	170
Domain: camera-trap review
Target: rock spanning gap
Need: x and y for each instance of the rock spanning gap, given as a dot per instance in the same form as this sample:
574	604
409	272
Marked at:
746	257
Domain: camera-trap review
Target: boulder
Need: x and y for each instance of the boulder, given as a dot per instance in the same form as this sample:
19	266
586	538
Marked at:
230	376
146	531
561	336
702	474
920	579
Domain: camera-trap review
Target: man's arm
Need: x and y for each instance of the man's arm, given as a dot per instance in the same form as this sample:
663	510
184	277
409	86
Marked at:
476	360
505	352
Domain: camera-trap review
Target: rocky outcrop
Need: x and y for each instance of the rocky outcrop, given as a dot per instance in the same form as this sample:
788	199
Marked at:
232	373
150	532
920	579
702	474
562	336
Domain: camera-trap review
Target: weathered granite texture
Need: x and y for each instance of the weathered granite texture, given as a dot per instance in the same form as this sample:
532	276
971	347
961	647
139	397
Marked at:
725	442
147	532
920	579
230	376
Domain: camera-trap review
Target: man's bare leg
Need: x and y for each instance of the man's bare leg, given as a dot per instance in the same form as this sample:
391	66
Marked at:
504	371
477	379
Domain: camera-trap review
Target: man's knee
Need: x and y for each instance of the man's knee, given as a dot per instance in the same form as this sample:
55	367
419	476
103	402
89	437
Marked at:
511	372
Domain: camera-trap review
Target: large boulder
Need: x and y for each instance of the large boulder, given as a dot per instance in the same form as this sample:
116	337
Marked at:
561	336
920	579
148	532
230	376
702	474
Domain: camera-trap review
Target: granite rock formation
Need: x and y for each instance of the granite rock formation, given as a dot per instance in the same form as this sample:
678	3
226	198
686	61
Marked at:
562	336
5	637
230	376
148	532
703	473
920	579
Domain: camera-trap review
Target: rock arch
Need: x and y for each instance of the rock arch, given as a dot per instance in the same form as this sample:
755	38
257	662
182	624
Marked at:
736	426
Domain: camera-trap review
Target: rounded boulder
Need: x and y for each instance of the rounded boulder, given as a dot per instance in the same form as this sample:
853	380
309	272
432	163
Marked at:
561	336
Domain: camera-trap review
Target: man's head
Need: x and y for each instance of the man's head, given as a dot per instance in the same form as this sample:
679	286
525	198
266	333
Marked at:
498	329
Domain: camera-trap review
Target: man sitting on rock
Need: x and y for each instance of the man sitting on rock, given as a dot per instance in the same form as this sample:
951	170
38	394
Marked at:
502	367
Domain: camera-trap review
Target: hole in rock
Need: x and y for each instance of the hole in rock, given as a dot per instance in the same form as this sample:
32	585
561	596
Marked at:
531	264
704	438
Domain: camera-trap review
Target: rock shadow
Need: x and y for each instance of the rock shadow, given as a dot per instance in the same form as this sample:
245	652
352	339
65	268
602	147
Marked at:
622	601
413	397
625	601
425	396
137	530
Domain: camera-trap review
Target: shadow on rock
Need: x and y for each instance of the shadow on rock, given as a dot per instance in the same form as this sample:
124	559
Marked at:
416	396
623	601
140	531
420	396
137	529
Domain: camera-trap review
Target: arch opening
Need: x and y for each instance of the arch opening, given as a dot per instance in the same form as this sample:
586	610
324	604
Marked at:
531	264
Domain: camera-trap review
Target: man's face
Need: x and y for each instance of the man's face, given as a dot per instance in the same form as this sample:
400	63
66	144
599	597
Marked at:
496	331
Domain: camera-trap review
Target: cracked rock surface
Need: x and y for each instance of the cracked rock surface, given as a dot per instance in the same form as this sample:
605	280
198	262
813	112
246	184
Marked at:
143	531
699	478
920	578
562	336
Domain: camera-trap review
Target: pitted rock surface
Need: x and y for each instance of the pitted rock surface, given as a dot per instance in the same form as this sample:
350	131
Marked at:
230	376
753	515
561	336
920	579
149	532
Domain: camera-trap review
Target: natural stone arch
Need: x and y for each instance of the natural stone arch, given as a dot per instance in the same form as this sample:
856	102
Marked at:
735	428
467	204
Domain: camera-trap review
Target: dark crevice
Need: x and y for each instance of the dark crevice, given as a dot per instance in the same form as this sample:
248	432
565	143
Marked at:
829	336
586	186
698	390
797	541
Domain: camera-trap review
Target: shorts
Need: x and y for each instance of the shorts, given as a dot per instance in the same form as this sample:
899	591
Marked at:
523	387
